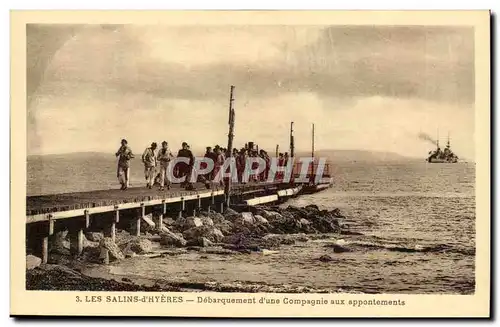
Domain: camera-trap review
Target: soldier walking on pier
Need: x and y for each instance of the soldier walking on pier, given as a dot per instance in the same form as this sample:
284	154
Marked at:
164	157
149	160
185	168
124	155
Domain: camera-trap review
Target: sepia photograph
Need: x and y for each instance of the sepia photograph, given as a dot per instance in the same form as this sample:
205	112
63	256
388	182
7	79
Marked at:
192	161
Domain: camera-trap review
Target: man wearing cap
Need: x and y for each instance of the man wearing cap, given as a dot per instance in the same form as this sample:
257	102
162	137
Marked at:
164	157
149	160
124	155
185	169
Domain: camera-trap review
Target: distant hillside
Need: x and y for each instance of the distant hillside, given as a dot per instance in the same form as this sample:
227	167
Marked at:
332	155
69	156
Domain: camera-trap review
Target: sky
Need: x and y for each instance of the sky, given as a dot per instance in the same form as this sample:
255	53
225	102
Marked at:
364	87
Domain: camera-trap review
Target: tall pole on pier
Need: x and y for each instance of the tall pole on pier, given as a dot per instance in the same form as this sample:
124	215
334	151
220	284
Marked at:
312	152
230	136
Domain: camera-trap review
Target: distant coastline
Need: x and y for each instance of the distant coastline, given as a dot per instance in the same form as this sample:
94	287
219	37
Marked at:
331	154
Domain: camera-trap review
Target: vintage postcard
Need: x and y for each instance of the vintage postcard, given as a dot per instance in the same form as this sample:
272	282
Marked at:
250	164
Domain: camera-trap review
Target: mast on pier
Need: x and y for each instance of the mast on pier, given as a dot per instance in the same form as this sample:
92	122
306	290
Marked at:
312	153
230	136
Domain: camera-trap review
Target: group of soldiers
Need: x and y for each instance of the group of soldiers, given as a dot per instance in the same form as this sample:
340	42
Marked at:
153	160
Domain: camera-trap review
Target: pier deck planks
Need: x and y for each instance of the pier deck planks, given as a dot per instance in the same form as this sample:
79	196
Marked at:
41	204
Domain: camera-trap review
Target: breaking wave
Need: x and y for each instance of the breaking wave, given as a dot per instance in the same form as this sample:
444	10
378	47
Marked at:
437	248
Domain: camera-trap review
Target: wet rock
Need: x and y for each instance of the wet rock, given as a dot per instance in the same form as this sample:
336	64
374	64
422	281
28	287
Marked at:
114	251
230	212
245	219
207	221
285	225
300	237
324	225
311	207
305	222
168	221
248	218
210	232
94	236
147	223
140	246
183	224
201	242
32	262
261	220
233	238
271	216
276	239
122	236
217	218
339	246
224	226
164	229
89	244
59	243
171	239
325	258
337	213
89	254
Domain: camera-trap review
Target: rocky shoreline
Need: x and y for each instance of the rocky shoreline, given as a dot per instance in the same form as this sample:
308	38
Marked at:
256	229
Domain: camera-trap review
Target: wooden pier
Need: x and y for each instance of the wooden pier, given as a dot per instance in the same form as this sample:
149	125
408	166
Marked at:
103	210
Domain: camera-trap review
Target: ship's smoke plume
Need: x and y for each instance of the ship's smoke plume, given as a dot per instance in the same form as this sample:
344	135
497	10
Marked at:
426	137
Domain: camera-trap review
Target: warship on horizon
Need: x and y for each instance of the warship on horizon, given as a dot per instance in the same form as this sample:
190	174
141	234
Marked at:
442	156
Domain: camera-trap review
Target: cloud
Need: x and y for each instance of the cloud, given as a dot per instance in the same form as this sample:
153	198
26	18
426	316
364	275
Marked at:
434	63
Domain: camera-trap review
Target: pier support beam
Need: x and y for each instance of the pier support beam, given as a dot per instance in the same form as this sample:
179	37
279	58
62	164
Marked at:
45	249
45	241
222	207
160	217
113	224
138	220
87	219
182	208
76	241
110	230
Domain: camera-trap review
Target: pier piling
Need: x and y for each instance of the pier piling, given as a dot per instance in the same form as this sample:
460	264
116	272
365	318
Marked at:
87	219
138	220
45	249
45	241
76	240
160	217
